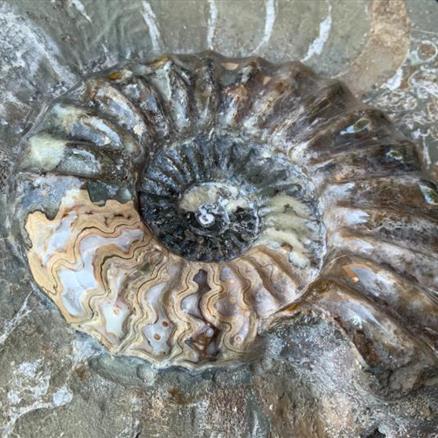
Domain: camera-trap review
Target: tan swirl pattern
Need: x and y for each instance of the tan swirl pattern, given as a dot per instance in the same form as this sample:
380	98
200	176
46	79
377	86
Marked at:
110	277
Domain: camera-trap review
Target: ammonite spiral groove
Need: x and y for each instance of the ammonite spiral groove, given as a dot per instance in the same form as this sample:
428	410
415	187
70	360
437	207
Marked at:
176	209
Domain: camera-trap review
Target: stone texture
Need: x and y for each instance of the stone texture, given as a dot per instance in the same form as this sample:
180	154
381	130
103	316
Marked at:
56	382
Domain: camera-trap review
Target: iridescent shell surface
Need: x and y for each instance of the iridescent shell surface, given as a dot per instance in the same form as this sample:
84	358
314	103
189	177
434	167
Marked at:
177	209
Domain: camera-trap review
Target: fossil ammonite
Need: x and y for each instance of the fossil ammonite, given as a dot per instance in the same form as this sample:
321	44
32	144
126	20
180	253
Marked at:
176	209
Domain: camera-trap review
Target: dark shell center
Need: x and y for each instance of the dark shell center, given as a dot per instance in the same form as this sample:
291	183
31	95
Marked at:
204	198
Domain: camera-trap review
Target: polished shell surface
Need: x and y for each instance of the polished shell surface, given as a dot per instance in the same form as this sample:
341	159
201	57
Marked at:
177	209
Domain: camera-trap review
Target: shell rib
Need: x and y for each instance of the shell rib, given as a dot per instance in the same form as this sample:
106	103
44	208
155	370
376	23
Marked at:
176	209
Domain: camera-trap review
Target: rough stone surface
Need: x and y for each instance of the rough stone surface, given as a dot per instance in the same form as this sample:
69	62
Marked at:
56	382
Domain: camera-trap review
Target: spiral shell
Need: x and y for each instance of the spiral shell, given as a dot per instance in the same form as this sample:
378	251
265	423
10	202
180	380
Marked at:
176	209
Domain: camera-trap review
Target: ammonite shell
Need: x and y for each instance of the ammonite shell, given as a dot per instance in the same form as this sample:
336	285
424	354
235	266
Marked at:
176	209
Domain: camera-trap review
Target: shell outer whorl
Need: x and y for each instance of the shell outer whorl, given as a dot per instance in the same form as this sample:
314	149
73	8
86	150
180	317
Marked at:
195	200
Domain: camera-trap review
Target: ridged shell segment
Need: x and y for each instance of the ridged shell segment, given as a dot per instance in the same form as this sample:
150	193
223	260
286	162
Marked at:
143	162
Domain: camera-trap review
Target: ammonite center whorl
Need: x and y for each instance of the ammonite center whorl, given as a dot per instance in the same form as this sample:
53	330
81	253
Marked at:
176	209
212	197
